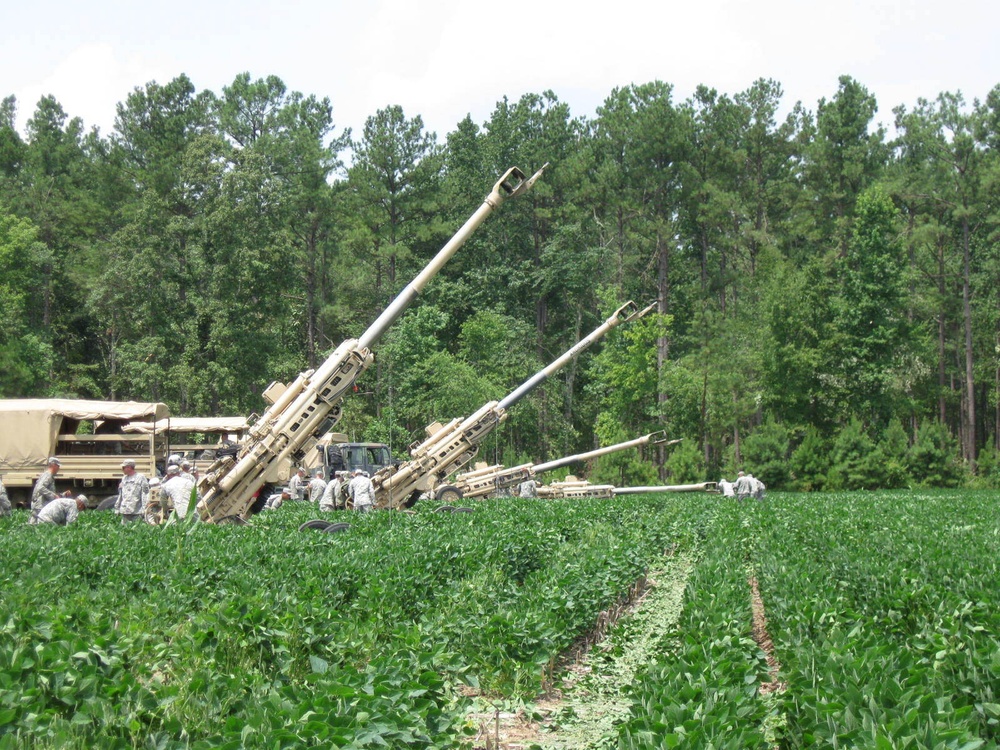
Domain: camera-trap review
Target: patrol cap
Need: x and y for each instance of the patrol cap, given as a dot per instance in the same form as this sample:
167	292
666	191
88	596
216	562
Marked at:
173	469
54	460
128	462
358	471
82	497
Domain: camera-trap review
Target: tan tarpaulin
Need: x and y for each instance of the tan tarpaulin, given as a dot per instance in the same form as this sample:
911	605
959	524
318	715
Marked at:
29	426
191	424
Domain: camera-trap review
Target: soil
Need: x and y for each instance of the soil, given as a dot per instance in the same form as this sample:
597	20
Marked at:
763	640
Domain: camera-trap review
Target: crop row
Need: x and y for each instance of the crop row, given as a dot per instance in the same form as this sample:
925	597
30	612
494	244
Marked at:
704	690
264	636
883	610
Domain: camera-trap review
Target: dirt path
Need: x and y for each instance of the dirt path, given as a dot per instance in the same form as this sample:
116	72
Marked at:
589	697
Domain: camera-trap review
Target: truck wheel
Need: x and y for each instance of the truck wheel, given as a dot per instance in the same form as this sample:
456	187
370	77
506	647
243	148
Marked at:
231	521
317	523
333	528
448	494
107	503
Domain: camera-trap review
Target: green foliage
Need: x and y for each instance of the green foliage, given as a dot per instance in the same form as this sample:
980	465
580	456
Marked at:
932	459
686	463
808	272
877	604
127	635
810	462
766	453
891	456
852	464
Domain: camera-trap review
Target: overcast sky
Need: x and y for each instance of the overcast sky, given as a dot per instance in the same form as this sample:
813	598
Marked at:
444	59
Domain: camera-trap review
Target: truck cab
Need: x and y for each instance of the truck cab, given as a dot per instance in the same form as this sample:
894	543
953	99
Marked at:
334	452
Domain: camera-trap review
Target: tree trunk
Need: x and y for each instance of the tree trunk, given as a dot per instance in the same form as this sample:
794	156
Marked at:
969	447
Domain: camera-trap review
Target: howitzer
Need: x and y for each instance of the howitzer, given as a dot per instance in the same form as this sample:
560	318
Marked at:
449	447
574	487
311	405
495	479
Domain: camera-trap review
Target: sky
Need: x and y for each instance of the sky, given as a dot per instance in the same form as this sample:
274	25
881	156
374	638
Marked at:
445	59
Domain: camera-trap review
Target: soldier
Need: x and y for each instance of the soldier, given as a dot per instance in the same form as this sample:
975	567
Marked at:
4	500
178	487
361	491
45	489
744	486
328	502
295	484
188	470
528	488
333	495
133	493
758	489
317	486
278	499
726	487
63	510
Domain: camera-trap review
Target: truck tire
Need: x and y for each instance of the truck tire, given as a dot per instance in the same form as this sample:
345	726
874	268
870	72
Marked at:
448	494
317	523
107	503
444	509
232	521
333	528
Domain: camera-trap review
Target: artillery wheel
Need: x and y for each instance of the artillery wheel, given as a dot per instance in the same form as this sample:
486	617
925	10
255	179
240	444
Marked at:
333	528
444	509
231	521
448	494
317	523
107	503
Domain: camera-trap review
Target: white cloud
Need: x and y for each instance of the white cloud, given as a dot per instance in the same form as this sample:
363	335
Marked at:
89	82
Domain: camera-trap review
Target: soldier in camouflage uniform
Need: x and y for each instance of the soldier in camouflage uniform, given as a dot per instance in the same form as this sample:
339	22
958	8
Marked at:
317	486
45	489
328	502
178	487
63	510
361	491
133	493
295	484
4	501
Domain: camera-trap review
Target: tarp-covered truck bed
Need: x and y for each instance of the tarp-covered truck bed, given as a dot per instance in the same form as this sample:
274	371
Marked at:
31	430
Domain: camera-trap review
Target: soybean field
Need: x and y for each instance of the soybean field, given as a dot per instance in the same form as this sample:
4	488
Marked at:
805	620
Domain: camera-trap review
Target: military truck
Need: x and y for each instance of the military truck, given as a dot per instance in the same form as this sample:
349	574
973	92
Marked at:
195	438
88	437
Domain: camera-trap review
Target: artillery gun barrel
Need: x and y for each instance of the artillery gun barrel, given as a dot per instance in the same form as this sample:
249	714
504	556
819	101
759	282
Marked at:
654	438
623	314
311	404
450	447
700	487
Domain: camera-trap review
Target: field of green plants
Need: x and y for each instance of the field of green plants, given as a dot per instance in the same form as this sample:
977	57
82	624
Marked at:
401	630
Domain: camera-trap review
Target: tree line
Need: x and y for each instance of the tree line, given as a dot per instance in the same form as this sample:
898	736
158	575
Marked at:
817	280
